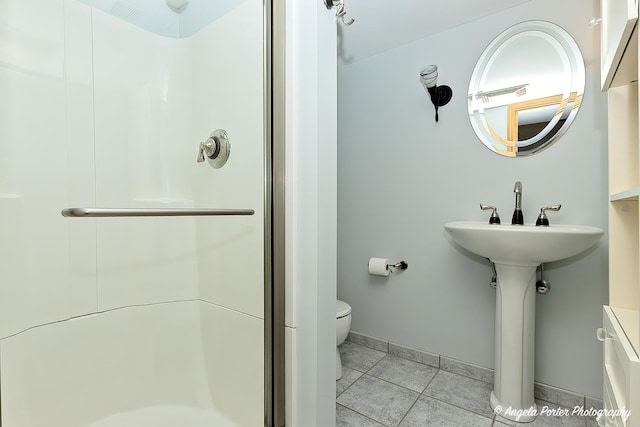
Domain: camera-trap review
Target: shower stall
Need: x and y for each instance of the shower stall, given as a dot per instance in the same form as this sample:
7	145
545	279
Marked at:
151	302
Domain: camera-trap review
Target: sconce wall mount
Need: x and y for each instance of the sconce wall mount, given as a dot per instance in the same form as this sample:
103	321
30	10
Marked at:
440	95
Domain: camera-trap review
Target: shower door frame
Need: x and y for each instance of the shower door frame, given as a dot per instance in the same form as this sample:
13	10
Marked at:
274	211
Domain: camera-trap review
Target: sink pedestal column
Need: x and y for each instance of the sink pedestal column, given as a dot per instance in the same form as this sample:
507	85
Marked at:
512	395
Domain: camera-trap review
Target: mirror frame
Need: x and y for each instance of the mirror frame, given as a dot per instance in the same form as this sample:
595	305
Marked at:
568	102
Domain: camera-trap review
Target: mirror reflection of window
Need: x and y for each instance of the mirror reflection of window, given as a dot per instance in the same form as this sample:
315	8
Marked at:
527	119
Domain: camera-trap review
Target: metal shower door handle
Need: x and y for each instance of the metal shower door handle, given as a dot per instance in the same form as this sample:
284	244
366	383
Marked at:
126	212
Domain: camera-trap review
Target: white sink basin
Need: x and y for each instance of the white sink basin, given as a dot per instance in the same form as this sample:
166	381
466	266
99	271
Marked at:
523	244
516	251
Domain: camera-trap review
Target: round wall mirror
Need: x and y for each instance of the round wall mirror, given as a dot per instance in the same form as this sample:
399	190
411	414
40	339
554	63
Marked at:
526	88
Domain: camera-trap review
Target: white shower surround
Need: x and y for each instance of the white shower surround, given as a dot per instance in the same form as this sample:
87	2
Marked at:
120	113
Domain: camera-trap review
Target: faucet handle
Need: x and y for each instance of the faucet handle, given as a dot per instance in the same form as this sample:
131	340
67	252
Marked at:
207	148
495	218
542	218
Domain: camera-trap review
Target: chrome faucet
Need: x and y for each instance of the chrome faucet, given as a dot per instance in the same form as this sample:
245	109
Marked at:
518	218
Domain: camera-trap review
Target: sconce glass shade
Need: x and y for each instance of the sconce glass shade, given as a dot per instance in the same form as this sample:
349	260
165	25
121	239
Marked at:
440	95
429	76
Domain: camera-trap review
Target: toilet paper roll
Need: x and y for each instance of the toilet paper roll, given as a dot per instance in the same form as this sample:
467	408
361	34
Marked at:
379	267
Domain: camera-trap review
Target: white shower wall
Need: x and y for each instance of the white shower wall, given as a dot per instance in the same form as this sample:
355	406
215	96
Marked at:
97	112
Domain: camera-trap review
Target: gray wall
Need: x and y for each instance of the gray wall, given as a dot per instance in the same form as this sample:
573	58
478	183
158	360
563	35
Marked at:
401	176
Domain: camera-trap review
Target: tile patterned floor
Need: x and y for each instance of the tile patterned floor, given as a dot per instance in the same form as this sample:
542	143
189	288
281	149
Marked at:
378	389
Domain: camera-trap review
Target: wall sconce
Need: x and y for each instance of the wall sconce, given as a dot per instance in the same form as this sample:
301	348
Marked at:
440	95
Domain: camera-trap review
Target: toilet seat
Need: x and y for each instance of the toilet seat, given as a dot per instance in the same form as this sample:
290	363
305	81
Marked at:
342	309
343	325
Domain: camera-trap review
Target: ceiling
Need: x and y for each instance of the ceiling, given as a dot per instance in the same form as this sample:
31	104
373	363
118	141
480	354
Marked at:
156	15
379	25
385	24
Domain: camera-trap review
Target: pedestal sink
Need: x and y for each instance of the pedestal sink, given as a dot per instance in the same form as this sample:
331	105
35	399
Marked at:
517	250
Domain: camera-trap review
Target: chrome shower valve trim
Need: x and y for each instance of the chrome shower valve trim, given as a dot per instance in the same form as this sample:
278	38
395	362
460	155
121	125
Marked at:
216	148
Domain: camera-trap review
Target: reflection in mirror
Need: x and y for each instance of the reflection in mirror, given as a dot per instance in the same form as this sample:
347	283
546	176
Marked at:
526	88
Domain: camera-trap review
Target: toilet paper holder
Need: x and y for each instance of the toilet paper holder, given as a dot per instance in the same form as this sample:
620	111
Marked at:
400	266
382	266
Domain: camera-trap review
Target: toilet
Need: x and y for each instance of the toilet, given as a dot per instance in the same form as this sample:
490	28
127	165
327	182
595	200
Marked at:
343	324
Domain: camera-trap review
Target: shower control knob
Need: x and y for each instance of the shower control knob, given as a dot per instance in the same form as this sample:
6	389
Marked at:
216	148
207	148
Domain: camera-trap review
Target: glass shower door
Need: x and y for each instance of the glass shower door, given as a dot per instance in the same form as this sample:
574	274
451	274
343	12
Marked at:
131	321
